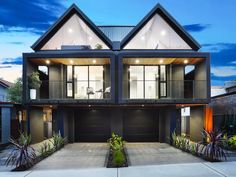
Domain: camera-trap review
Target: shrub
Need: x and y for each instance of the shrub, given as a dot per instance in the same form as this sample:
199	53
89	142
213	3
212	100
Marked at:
22	154
46	150
57	140
213	150
232	142
118	158
98	46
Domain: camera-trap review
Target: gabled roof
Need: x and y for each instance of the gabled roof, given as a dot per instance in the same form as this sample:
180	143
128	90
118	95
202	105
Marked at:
73	9
5	83
170	20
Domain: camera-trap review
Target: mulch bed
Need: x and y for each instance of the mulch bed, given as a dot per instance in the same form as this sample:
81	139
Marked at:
110	159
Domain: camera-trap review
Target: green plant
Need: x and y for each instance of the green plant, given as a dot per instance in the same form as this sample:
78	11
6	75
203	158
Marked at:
57	140
34	80
232	142
15	91
116	142
213	149
98	46
46	149
22	154
118	158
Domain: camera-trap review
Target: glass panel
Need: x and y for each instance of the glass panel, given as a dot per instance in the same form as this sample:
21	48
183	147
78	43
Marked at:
151	82
74	34
44	69
157	34
69	89
81	82
96	82
163	73
69	73
163	89
136	82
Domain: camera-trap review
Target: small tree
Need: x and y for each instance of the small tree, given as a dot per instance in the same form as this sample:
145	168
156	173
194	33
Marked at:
15	91
34	80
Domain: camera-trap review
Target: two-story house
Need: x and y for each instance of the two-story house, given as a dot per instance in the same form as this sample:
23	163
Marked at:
132	80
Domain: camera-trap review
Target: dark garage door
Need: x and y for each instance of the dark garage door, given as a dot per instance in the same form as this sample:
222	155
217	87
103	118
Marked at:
92	126
140	125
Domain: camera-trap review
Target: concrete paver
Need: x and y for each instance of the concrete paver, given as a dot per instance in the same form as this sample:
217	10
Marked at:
156	154
75	156
226	168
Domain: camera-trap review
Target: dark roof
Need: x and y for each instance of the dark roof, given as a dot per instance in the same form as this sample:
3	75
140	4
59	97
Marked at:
223	95
73	9
170	20
116	32
5	83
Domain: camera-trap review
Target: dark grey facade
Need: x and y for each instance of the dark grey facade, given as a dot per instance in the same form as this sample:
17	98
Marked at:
91	118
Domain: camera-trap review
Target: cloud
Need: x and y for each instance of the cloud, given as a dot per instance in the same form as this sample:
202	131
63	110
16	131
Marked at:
223	71
196	27
11	61
16	43
34	16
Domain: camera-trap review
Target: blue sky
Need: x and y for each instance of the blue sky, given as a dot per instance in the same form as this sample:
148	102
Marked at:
210	22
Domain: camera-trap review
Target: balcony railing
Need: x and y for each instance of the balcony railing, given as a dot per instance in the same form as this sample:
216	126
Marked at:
77	90
156	90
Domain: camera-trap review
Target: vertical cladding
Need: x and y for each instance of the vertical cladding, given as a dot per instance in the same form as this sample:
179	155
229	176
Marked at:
6	124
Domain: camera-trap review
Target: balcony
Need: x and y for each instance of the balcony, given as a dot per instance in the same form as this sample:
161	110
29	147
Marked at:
155	91
79	91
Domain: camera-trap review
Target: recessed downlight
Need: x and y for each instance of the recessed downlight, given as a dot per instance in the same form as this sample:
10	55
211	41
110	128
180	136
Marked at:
47	61
71	62
90	38
137	61
161	61
185	61
94	61
143	38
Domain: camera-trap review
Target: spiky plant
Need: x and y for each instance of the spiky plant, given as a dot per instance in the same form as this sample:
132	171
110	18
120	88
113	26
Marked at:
22	154
213	149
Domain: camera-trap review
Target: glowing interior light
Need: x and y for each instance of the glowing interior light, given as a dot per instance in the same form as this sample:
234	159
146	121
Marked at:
90	38
70	30
163	32
143	38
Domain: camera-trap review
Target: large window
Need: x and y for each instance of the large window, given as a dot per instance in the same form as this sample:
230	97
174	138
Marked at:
85	82
147	82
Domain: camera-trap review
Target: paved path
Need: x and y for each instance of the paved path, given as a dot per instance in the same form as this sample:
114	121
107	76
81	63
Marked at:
223	169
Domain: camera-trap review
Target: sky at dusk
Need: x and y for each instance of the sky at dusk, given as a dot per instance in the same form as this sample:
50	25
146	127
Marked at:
212	23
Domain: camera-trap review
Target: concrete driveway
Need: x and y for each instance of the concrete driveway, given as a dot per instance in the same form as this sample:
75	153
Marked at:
157	154
75	156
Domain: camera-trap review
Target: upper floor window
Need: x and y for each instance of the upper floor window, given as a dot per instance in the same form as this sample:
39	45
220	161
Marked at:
157	34
74	34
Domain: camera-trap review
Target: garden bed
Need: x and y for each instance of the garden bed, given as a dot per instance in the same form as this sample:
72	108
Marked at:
110	163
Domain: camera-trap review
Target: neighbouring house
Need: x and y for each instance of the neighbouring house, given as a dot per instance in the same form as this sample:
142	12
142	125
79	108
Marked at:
224	109
4	85
132	80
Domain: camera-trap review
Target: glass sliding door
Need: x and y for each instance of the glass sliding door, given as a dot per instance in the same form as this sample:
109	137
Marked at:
136	82
80	82
96	82
151	82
